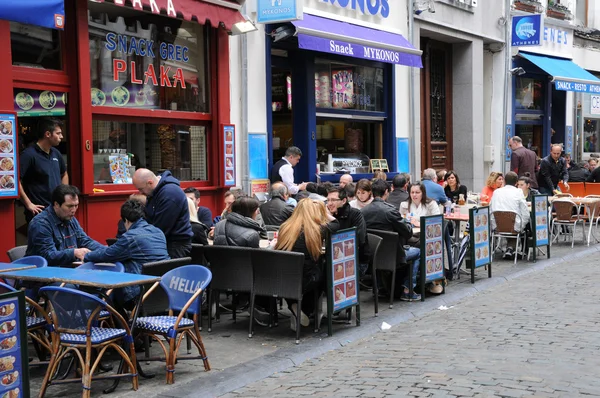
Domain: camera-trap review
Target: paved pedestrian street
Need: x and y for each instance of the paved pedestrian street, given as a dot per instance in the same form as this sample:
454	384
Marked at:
537	335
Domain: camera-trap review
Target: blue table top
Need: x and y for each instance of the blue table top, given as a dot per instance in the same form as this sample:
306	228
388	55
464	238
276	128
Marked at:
14	267
85	277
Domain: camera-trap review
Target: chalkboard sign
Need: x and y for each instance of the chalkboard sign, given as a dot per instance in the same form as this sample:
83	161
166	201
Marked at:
14	360
342	274
539	223
432	250
479	229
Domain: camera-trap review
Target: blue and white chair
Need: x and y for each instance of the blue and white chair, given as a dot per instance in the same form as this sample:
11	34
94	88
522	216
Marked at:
111	267
76	330
184	287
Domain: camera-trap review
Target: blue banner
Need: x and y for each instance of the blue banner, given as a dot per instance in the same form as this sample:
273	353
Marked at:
46	13
527	30
579	87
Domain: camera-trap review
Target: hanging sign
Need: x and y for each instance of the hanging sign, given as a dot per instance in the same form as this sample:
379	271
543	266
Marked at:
9	178
272	11
527	30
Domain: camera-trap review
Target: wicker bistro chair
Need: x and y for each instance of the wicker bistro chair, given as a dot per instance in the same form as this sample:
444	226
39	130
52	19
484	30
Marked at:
75	329
231	269
278	274
386	259
158	303
116	267
505	228
567	214
183	286
374	244
16	252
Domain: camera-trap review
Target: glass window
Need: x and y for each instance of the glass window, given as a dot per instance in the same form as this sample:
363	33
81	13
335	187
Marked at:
35	46
158	147
591	134
347	86
528	94
145	61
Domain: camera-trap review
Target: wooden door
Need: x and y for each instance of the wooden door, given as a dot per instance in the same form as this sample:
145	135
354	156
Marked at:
436	105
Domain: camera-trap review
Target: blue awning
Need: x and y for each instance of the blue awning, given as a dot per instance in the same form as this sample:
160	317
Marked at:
46	13
566	74
335	37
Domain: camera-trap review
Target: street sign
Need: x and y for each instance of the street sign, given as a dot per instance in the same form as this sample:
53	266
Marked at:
273	11
527	30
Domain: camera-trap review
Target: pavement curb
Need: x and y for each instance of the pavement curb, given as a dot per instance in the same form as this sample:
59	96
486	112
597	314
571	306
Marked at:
215	383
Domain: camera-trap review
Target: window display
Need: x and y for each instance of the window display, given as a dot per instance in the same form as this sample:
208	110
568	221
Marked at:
591	133
528	94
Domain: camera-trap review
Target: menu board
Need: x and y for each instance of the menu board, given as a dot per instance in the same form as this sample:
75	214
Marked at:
432	248
14	360
8	156
343	88
229	154
539	217
479	230
119	169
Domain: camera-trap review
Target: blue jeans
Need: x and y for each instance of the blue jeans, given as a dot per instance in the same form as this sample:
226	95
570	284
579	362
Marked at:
413	254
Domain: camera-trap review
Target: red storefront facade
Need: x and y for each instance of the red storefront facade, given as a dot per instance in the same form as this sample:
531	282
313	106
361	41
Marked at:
152	82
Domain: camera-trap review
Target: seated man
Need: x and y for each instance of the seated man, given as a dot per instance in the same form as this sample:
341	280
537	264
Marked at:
384	216
510	198
276	211
434	190
55	233
141	243
400	192
348	217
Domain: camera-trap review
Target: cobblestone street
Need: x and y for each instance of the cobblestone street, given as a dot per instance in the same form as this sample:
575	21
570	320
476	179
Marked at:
533	336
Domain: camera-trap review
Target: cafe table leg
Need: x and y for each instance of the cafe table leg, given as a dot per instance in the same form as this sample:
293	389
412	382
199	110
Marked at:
591	210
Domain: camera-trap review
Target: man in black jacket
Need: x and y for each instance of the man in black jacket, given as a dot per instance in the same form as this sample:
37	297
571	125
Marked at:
348	217
399	194
578	173
553	170
276	211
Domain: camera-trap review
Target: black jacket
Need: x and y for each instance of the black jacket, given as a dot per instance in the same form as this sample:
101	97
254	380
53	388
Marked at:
383	216
454	196
199	230
276	211
349	217
396	197
551	172
577	174
594	176
237	230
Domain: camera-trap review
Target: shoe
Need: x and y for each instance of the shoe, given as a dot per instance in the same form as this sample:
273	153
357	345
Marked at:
304	321
509	254
436	289
407	297
261	317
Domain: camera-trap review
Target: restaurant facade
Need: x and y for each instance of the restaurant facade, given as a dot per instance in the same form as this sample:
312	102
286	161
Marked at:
141	83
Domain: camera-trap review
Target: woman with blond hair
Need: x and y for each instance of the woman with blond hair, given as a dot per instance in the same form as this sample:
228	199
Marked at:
494	181
304	232
198	229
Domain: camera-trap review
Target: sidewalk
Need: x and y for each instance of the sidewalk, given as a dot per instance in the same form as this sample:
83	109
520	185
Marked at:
237	360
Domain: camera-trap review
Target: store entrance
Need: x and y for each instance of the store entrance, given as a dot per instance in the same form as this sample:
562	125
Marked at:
532	136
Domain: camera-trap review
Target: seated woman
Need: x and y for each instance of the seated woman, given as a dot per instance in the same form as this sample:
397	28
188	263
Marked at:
453	188
363	195
524	184
441	178
494	181
303	233
240	228
198	229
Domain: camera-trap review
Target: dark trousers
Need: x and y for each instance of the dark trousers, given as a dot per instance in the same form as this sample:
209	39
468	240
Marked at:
179	248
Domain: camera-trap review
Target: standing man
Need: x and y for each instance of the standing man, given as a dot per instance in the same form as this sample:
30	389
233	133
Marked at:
283	170
400	193
522	160
345	179
166	209
553	170
42	168
204	213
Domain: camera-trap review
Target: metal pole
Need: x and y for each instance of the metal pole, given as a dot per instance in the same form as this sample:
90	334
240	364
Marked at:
507	83
411	92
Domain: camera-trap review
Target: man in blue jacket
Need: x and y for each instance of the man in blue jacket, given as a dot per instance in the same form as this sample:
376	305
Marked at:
55	233
141	243
166	209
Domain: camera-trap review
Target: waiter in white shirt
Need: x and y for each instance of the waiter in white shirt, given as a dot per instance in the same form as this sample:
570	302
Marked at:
283	170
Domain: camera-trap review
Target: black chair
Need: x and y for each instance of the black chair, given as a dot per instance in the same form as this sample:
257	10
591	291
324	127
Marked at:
374	243
386	258
16	253
231	269
158	303
278	274
197	254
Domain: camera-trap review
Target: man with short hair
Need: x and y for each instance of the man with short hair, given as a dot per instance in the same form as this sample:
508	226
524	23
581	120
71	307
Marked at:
276	211
204	213
283	170
350	191
510	198
434	190
166	209
42	168
313	190
55	233
348	217
523	160
383	216
553	170
345	179
141	243
400	193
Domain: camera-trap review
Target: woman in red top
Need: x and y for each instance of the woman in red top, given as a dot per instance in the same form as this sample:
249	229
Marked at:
494	181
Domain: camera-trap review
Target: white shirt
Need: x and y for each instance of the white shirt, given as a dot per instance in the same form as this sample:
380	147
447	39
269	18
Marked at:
287	177
418	211
510	198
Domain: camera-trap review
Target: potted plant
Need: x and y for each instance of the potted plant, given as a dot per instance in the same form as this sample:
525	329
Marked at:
558	11
532	6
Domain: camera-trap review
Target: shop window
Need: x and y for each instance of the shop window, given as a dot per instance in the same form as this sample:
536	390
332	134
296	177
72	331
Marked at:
120	148
349	87
145	61
528	94
591	135
35	46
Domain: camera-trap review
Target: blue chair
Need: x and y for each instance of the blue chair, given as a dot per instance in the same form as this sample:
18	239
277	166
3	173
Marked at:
75	319
38	261
183	286
113	267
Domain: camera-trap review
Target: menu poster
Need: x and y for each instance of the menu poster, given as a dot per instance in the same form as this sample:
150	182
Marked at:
229	154
342	81
35	103
14	358
9	186
479	225
432	248
539	223
119	169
